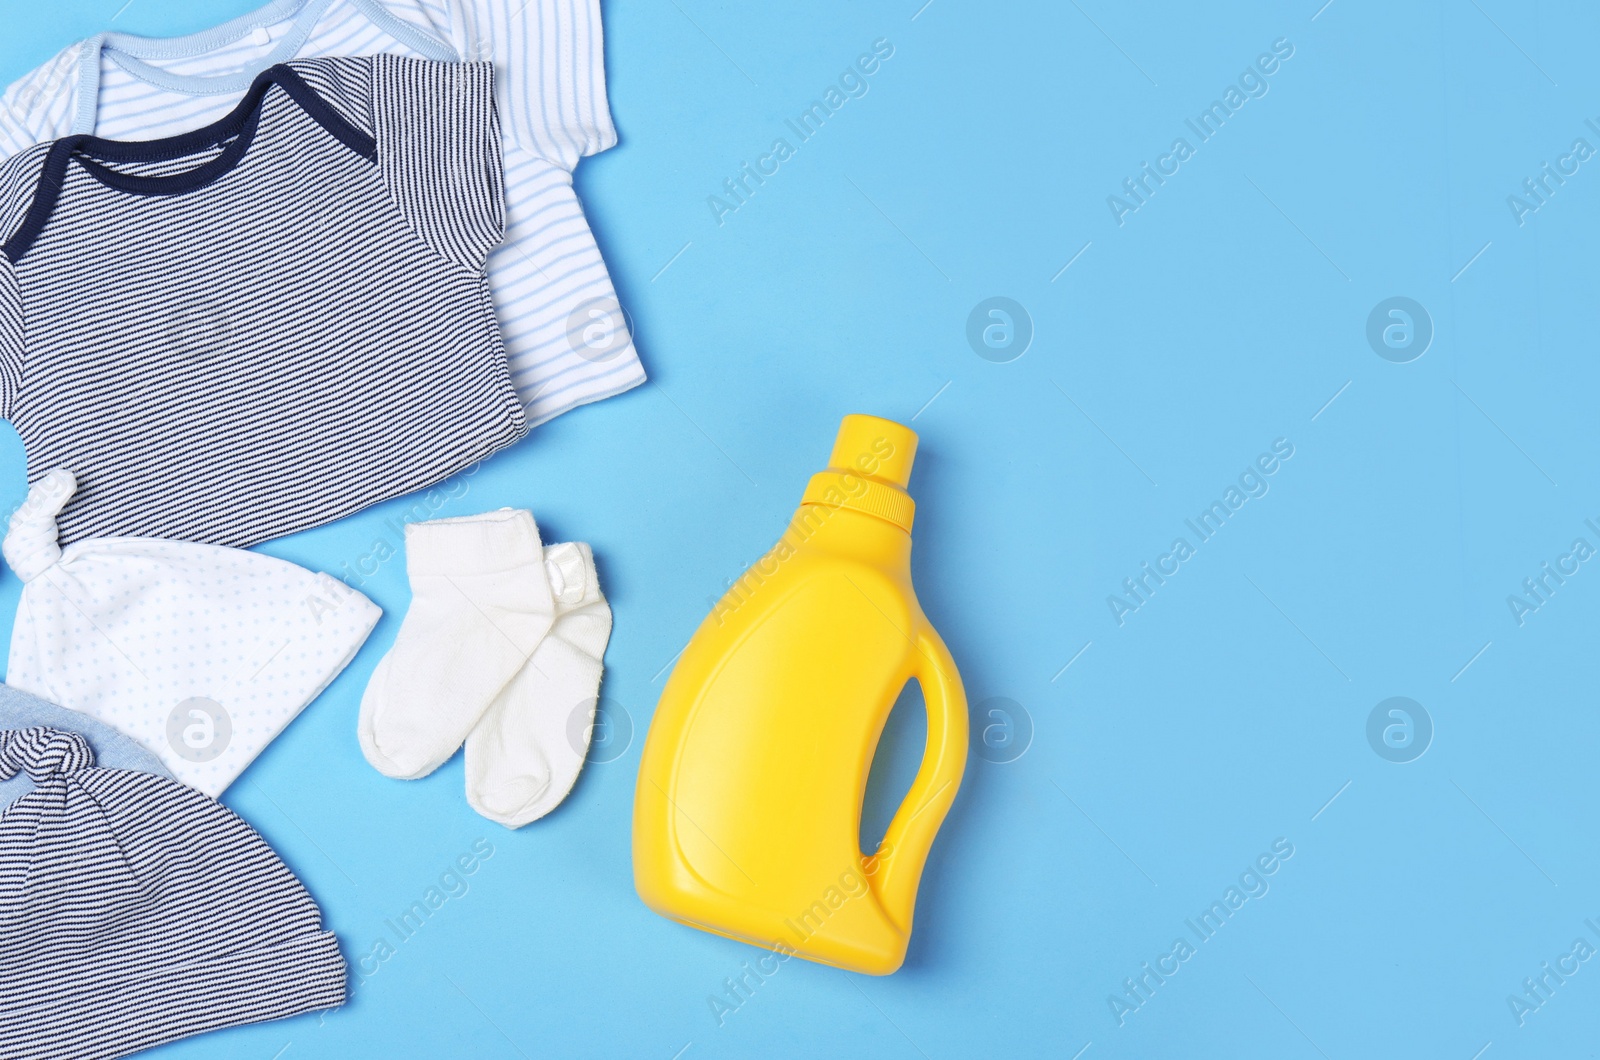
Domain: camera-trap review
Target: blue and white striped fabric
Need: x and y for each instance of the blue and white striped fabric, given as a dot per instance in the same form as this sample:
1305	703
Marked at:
269	322
136	911
566	336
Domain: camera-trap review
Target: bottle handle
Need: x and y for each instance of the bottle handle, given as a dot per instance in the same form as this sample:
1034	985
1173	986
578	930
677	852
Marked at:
897	869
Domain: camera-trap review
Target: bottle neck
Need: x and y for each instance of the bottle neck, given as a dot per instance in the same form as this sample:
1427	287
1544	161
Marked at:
847	532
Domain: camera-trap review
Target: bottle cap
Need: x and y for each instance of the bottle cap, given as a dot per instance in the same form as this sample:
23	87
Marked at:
869	470
878	448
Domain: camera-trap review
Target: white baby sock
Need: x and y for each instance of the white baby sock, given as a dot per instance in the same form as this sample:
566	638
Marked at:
480	604
525	753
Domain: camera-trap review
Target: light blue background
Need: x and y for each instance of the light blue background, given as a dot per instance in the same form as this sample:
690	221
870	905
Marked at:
1229	311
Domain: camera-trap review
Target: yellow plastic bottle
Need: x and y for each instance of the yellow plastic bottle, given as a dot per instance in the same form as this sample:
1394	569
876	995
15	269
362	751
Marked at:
747	815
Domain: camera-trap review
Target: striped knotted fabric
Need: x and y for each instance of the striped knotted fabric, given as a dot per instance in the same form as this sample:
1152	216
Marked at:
42	753
135	911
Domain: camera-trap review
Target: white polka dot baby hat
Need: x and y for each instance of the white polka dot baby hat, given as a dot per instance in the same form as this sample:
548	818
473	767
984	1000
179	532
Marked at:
199	652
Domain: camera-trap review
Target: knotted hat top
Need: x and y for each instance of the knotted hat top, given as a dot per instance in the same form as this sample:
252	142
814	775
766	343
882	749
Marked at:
30	546
112	749
42	753
134	911
200	653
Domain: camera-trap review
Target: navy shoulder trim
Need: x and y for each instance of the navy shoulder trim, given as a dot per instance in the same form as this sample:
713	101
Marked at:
234	132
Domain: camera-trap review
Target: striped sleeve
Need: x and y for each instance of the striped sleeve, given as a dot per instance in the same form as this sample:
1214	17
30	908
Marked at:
40	105
550	58
438	140
18	175
10	338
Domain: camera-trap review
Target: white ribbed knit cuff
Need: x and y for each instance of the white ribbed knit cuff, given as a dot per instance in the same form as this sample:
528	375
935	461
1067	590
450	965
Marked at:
474	544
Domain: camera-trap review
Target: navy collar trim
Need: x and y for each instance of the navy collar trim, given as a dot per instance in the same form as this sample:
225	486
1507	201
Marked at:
233	132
